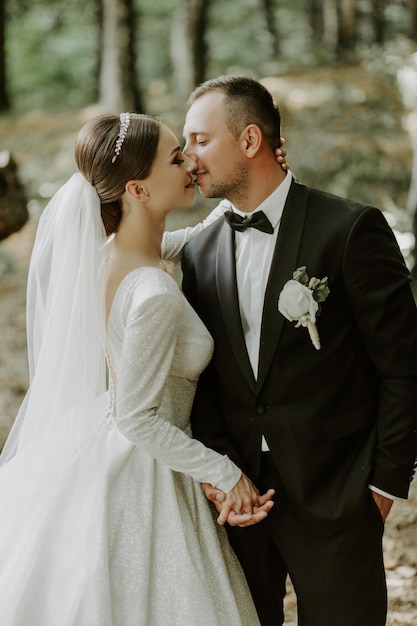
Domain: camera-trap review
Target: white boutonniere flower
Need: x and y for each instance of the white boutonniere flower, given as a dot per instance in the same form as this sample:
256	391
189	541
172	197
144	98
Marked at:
300	299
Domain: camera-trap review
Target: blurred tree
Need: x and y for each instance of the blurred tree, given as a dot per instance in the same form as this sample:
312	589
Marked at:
55	59
407	80
4	97
268	7
413	20
52	51
118	82
378	20
346	16
13	203
315	19
188	45
330	23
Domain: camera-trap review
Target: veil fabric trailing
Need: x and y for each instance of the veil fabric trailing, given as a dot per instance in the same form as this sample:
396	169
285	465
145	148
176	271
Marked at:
65	320
62	414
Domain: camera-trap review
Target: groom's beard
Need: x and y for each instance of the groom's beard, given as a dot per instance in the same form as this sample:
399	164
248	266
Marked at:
234	188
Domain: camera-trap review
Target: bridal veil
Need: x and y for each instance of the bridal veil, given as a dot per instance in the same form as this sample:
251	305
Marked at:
61	416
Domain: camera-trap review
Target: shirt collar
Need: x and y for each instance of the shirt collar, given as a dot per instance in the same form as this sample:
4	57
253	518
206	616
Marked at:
273	205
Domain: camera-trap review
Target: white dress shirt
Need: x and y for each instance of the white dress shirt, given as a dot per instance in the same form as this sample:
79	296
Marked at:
253	251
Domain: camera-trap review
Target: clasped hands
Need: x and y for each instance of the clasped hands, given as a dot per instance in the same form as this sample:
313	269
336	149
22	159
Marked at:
241	506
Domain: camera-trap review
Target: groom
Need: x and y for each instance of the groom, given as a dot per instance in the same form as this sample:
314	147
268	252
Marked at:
332	427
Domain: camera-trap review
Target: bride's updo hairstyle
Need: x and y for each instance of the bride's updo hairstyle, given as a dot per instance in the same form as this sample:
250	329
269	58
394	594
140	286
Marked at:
95	150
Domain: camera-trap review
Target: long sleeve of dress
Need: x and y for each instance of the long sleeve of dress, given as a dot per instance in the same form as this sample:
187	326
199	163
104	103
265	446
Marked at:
157	371
174	241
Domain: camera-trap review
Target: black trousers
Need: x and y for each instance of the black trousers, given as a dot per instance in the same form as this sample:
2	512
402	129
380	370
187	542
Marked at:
339	580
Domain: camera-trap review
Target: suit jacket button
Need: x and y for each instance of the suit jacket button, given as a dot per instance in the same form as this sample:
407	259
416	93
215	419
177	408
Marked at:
260	409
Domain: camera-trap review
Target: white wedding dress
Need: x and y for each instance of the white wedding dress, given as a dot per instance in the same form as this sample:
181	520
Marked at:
122	534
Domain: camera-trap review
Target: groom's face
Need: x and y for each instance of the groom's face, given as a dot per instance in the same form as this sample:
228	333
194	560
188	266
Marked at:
221	164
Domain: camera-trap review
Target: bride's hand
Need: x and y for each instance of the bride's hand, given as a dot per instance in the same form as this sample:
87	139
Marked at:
259	512
280	155
248	508
241	499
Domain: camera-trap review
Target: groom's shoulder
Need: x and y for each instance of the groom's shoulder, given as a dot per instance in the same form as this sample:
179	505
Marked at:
327	199
329	207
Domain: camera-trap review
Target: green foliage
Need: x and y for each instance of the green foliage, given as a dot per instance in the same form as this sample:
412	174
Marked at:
52	45
318	286
51	54
238	40
153	39
301	275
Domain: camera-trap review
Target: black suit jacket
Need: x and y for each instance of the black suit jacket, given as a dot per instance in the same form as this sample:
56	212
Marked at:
335	419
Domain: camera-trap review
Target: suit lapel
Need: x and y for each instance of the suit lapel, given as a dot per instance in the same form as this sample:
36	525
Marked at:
284	263
228	299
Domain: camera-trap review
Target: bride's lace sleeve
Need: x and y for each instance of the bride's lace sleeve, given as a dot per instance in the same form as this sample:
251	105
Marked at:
146	360
174	241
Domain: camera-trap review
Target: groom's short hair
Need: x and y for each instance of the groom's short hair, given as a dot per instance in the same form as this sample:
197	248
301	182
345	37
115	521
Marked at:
246	101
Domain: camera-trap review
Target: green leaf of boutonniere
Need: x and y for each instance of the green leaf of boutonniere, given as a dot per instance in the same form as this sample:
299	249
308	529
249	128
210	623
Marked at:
321	290
300	275
318	286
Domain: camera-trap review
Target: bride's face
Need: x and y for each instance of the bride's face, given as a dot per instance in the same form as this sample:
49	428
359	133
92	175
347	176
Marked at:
170	183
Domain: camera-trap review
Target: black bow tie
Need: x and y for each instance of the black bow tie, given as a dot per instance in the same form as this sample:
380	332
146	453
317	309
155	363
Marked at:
257	220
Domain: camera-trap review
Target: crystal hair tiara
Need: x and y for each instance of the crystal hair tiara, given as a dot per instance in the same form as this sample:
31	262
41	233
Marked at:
124	125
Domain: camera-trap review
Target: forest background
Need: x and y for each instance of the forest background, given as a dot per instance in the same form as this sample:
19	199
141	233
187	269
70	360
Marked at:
344	73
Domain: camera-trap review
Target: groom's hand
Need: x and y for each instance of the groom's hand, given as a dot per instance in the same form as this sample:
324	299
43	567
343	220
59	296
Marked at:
258	514
383	503
259	511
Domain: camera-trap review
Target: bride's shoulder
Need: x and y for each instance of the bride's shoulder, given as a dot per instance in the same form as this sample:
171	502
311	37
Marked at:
146	284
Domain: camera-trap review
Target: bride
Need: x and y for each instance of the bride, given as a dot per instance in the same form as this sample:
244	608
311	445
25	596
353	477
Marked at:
103	520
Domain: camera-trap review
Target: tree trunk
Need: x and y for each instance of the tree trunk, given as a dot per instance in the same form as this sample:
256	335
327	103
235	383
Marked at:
413	18
4	97
412	193
271	26
315	11
346	13
98	17
13	205
330	23
378	20
117	82
188	45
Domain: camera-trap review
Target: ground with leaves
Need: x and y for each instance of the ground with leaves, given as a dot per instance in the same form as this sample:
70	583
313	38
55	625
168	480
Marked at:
344	131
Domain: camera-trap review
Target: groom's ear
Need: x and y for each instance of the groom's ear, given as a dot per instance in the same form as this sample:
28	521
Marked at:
136	189
251	140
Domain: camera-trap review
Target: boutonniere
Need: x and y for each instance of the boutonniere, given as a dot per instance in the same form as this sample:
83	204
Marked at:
300	299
